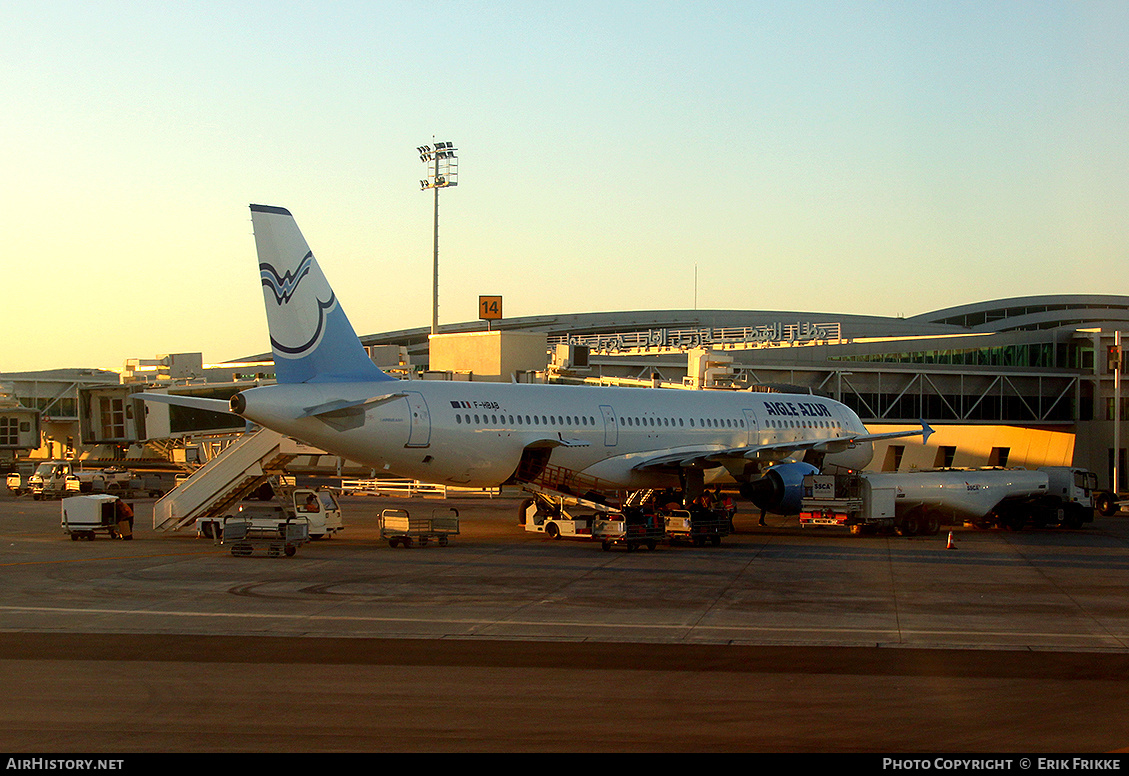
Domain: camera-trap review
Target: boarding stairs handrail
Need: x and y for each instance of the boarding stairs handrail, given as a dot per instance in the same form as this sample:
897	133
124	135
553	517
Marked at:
225	480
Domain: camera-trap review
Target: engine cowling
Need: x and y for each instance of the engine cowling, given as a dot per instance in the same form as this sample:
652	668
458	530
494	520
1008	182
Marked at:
781	488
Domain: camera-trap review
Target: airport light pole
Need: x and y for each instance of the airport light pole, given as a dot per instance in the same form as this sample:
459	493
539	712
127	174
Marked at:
1115	367
442	171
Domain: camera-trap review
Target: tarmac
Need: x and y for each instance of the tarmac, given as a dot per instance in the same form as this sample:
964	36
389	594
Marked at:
780	640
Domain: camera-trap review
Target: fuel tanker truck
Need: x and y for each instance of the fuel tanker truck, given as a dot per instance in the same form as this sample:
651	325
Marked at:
920	502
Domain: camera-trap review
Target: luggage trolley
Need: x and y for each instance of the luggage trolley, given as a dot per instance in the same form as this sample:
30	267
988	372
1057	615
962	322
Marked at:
697	526
278	539
630	530
400	528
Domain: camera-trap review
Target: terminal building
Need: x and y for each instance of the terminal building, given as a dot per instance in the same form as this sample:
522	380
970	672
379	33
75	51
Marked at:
1012	382
1026	381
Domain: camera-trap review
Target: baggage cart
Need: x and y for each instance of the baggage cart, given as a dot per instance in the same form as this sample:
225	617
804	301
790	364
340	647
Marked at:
283	538
629	530
697	526
401	529
85	516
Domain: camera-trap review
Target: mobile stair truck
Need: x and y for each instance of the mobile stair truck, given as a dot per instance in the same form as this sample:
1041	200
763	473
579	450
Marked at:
241	483
919	503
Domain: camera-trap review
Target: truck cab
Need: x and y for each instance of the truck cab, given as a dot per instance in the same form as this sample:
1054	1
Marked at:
49	479
317	505
1076	493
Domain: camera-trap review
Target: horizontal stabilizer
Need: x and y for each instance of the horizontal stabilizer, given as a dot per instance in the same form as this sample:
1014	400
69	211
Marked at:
338	405
195	402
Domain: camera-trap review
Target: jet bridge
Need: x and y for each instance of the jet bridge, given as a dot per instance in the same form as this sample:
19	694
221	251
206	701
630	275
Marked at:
225	480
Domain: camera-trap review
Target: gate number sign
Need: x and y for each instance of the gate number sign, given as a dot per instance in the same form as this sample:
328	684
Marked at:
490	308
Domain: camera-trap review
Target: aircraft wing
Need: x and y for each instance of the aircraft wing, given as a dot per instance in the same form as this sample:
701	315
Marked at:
712	456
556	440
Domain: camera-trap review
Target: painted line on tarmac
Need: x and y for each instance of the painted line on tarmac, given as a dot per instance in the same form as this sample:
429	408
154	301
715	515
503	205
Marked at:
106	557
736	632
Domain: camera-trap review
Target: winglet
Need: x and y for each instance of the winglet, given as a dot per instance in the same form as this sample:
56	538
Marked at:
926	431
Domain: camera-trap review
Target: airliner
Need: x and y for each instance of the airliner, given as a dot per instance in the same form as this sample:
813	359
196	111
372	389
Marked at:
329	394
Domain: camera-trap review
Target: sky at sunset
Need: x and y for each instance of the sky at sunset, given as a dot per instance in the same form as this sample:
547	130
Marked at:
842	157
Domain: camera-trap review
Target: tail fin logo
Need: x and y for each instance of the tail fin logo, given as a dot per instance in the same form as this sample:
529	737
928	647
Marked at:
286	284
302	299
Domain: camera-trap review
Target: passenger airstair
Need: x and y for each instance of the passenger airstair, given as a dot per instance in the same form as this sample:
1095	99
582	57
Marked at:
225	480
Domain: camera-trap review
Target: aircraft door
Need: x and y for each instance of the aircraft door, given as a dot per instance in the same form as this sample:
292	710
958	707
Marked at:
751	426
419	419
611	426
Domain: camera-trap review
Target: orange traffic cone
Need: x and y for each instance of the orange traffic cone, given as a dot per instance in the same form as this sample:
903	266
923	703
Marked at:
950	545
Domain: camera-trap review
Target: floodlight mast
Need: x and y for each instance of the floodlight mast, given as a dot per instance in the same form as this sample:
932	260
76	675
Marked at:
442	171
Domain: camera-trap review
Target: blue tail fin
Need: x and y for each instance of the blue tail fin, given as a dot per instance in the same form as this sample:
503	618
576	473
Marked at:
311	338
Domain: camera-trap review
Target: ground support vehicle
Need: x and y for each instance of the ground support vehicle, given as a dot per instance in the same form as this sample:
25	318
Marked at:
559	516
15	482
276	504
555	519
630	530
697	526
116	481
919	503
399	528
49	480
55	479
244	536
85	516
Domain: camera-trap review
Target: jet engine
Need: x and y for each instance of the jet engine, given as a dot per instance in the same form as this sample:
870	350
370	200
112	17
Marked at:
781	489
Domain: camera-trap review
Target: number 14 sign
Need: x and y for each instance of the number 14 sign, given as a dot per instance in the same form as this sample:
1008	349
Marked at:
490	308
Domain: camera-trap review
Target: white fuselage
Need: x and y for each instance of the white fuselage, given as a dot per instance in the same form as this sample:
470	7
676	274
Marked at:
474	433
